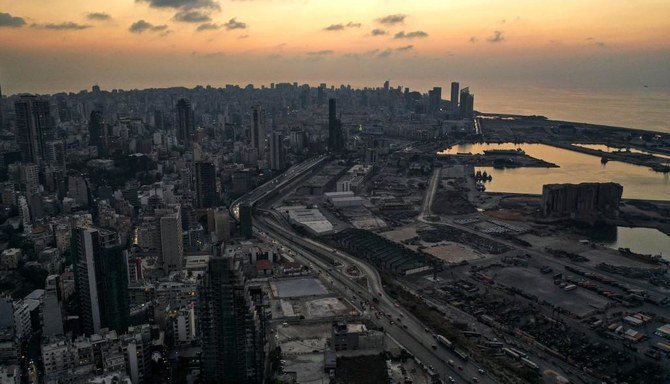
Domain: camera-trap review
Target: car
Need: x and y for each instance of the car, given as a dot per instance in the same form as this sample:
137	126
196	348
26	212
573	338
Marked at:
451	362
430	367
426	329
481	371
475	380
451	379
460	367
434	346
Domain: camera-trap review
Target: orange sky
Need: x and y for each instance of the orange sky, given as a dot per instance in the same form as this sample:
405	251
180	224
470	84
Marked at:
291	37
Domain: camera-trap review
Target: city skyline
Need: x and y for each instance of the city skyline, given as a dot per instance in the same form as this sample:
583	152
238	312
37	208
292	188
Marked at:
158	43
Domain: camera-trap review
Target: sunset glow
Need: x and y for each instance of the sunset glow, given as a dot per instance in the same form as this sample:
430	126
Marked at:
284	38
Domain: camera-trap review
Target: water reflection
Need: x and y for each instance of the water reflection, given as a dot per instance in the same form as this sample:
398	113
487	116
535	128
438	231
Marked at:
608	149
648	241
574	167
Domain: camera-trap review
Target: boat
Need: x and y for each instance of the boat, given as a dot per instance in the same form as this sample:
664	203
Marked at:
504	152
604	160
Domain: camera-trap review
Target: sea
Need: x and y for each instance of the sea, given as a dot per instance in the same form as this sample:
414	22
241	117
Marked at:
640	107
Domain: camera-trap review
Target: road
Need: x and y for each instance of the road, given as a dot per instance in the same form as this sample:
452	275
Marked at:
415	337
426	209
409	331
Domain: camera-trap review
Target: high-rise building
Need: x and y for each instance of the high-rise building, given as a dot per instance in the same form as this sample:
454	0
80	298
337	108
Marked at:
159	122
434	99
277	151
33	127
171	235
101	280
246	223
53	315
229	327
2	117
97	132
467	105
185	122
205	184
455	88
55	153
257	135
335	135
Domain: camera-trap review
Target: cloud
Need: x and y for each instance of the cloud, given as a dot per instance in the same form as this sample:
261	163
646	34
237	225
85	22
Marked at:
182	4
473	39
207	27
98	16
385	53
321	53
497	37
187	16
334	27
378	32
213	55
410	35
392	19
405	48
142	26
340	26
7	20
234	24
64	26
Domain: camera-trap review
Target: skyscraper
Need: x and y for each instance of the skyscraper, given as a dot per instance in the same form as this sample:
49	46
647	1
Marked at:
455	88
257	135
205	184
185	122
434	99
101	280
53	316
97	132
2	118
33	127
172	241
335	136
246	221
229	327
467	104
277	151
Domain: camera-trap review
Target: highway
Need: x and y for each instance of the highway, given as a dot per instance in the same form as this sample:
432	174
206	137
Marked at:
407	329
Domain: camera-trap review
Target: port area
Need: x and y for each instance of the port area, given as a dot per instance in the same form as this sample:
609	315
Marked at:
633	146
502	159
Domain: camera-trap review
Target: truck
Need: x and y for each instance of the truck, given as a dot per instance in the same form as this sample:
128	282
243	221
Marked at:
444	341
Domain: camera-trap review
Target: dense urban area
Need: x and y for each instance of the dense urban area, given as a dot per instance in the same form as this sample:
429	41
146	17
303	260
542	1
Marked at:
301	234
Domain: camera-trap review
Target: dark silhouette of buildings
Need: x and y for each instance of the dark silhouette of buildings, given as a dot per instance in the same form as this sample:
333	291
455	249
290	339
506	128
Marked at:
467	104
584	202
335	134
33	127
455	88
434	100
257	135
229	327
205	184
246	223
277	151
185	122
101	280
97	132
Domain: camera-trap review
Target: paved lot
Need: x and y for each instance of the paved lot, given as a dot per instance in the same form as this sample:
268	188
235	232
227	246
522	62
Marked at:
307	286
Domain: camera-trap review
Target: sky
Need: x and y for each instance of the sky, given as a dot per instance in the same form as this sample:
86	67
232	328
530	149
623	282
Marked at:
48	46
